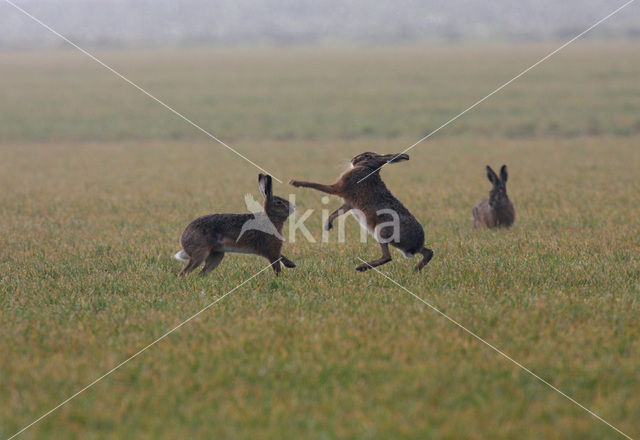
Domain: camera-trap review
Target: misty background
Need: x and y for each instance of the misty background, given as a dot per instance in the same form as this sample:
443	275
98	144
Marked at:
126	23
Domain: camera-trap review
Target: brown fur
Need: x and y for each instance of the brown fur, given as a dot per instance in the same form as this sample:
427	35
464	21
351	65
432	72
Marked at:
497	210
369	196
206	239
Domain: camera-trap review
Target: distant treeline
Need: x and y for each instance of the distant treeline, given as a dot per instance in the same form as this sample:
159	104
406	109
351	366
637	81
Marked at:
116	23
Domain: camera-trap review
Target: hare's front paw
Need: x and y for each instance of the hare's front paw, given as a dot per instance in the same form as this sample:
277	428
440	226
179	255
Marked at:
294	183
362	267
328	226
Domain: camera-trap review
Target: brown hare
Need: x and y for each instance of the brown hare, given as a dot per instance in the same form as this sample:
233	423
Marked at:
377	210
208	238
497	210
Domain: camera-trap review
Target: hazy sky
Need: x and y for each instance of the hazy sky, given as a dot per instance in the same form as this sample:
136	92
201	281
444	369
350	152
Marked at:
162	22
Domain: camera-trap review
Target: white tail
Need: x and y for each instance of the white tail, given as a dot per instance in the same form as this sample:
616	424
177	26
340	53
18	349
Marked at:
181	256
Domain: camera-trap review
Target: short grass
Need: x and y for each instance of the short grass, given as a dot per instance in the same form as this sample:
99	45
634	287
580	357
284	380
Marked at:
97	182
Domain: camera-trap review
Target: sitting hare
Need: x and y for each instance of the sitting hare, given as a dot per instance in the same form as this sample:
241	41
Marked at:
208	238
497	210
378	211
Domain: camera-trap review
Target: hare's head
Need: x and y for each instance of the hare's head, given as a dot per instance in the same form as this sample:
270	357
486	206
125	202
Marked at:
274	206
498	194
375	160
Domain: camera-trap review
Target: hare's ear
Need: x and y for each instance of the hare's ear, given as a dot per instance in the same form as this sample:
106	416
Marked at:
503	174
261	185
491	175
265	184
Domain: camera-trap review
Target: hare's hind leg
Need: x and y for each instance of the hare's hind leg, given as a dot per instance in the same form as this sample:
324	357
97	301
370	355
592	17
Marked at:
385	258
195	260
427	254
212	261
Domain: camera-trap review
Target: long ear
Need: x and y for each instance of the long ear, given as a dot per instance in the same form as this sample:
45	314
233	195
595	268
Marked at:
394	157
265	186
491	175
503	174
261	184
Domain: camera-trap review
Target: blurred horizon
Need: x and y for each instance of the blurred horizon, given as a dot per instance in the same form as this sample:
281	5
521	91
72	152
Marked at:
165	23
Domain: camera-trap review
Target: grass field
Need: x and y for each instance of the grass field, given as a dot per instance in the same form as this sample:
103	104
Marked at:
97	182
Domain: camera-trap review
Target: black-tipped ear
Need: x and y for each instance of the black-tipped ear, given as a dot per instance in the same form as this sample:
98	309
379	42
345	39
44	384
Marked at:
266	186
262	185
503	174
398	157
491	175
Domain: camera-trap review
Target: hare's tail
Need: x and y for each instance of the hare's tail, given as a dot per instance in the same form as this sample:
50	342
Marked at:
181	256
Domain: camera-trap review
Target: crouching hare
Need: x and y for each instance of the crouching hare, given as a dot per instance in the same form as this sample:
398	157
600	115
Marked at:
497	210
208	238
378	211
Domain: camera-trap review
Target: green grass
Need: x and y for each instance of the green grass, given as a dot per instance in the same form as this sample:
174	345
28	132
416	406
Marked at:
302	94
97	182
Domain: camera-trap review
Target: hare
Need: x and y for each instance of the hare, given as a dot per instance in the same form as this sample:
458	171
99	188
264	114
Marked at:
378	211
207	238
497	210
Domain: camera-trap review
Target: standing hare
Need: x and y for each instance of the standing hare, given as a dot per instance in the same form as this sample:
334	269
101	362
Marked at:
208	238
497	210
378	211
